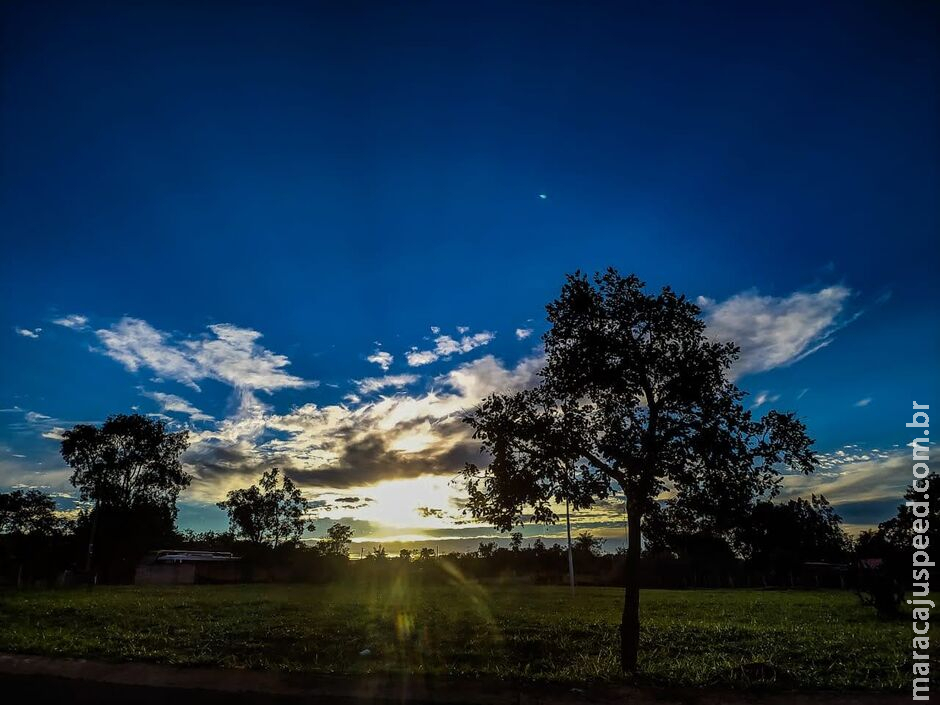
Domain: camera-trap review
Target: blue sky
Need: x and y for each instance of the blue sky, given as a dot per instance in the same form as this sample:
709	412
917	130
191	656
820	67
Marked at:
239	204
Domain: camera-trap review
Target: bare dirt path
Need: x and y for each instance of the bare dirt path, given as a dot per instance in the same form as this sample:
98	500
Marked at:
36	679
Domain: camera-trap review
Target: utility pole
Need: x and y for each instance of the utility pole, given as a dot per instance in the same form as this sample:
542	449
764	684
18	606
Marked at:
91	537
570	554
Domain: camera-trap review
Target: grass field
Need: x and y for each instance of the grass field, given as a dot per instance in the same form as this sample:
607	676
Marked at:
739	638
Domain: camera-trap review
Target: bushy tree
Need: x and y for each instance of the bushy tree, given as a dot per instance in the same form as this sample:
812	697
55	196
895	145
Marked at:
130	469
336	543
129	461
782	536
29	512
270	513
634	396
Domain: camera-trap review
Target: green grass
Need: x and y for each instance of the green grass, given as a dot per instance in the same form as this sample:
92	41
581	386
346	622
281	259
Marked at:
735	638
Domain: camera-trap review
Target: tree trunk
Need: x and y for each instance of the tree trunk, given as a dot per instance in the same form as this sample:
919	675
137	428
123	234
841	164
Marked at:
630	623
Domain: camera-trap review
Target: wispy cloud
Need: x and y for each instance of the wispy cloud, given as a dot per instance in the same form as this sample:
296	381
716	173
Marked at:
230	354
360	443
73	320
863	402
523	333
172	403
764	397
776	331
28	333
446	346
382	359
375	384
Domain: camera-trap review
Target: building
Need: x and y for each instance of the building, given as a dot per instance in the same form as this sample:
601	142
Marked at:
188	568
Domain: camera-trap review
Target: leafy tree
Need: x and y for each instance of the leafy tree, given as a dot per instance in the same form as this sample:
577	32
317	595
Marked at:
487	549
426	554
336	543
29	512
588	545
883	586
515	541
634	395
404	554
898	532
130	460
378	553
130	468
781	537
269	513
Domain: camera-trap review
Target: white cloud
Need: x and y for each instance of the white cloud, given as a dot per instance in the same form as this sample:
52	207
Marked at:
27	333
231	355
175	404
382	359
435	329
853	477
34	417
73	320
416	357
523	333
463	329
775	331
374	384
359	442
764	397
863	402
445	346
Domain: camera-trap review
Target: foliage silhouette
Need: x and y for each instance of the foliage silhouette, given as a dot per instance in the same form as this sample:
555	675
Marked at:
269	513
130	468
635	397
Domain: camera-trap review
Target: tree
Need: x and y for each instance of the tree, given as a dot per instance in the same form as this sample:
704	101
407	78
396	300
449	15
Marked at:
29	512
634	395
269	513
404	554
129	460
884	582
487	549
336	543
515	541
781	537
587	545
130	468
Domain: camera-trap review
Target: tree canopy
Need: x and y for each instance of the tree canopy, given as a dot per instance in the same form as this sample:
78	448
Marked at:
635	397
269	513
129	460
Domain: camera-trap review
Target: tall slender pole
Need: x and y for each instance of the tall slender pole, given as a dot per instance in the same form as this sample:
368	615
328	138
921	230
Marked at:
570	554
91	538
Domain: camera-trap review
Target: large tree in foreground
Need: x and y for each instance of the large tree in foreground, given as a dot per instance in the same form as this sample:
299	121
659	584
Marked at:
130	468
635	397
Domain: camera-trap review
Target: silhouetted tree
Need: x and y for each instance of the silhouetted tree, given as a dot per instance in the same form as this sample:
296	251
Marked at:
130	468
128	461
29	512
634	395
336	543
486	549
404	554
883	585
781	537
588	545
515	541
269	513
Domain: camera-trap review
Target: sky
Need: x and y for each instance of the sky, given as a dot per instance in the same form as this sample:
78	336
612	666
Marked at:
316	234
